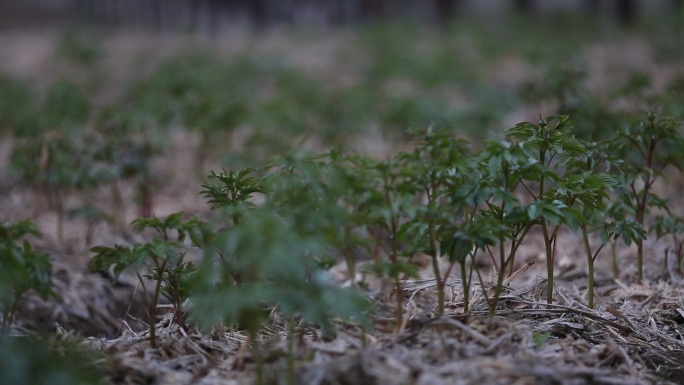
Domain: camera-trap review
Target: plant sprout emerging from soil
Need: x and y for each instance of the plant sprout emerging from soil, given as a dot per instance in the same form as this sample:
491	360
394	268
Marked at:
163	257
551	144
648	146
233	189
432	170
673	226
53	165
269	256
588	189
496	172
387	207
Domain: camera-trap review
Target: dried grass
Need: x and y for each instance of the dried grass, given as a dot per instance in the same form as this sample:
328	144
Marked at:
637	339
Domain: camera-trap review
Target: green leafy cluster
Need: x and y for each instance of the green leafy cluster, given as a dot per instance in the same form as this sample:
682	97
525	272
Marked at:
162	257
440	200
56	156
279	227
30	360
21	269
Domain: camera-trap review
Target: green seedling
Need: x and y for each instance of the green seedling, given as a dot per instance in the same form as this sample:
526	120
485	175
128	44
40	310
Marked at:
17	105
540	338
649	146
462	240
618	211
350	187
233	189
587	189
551	144
271	255
31	360
386	208
50	164
277	269
121	149
629	230
163	257
672	226
49	154
230	193
92	215
176	283
21	269
430	172
488	193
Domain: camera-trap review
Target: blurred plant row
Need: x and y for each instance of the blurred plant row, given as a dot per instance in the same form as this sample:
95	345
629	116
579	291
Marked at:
64	144
277	229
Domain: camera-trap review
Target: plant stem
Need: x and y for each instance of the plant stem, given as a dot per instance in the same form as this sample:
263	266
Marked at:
642	202
549	262
9	314
59	206
290	353
484	291
500	277
640	260
351	267
256	355
613	259
548	240
435	268
466	286
640	211
153	305
590	263
394	254
397	282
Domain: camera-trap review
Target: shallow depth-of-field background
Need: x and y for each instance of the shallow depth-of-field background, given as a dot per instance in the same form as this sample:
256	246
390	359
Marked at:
296	152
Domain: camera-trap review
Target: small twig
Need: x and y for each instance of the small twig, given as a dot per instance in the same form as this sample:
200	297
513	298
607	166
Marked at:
625	357
491	255
482	286
468	330
515	275
564	309
130	305
619	314
105	316
529	190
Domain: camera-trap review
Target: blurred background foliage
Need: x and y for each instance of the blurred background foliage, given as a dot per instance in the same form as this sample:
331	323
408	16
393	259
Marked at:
244	81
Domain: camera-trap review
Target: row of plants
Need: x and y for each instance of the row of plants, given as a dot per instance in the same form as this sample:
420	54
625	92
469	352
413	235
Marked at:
66	146
443	199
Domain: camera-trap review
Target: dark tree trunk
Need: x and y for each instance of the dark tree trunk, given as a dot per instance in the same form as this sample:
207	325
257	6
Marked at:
678	4
157	17
626	11
374	9
257	12
524	6
592	6
445	10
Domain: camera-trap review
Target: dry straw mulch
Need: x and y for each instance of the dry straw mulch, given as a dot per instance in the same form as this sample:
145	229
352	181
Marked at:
634	338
